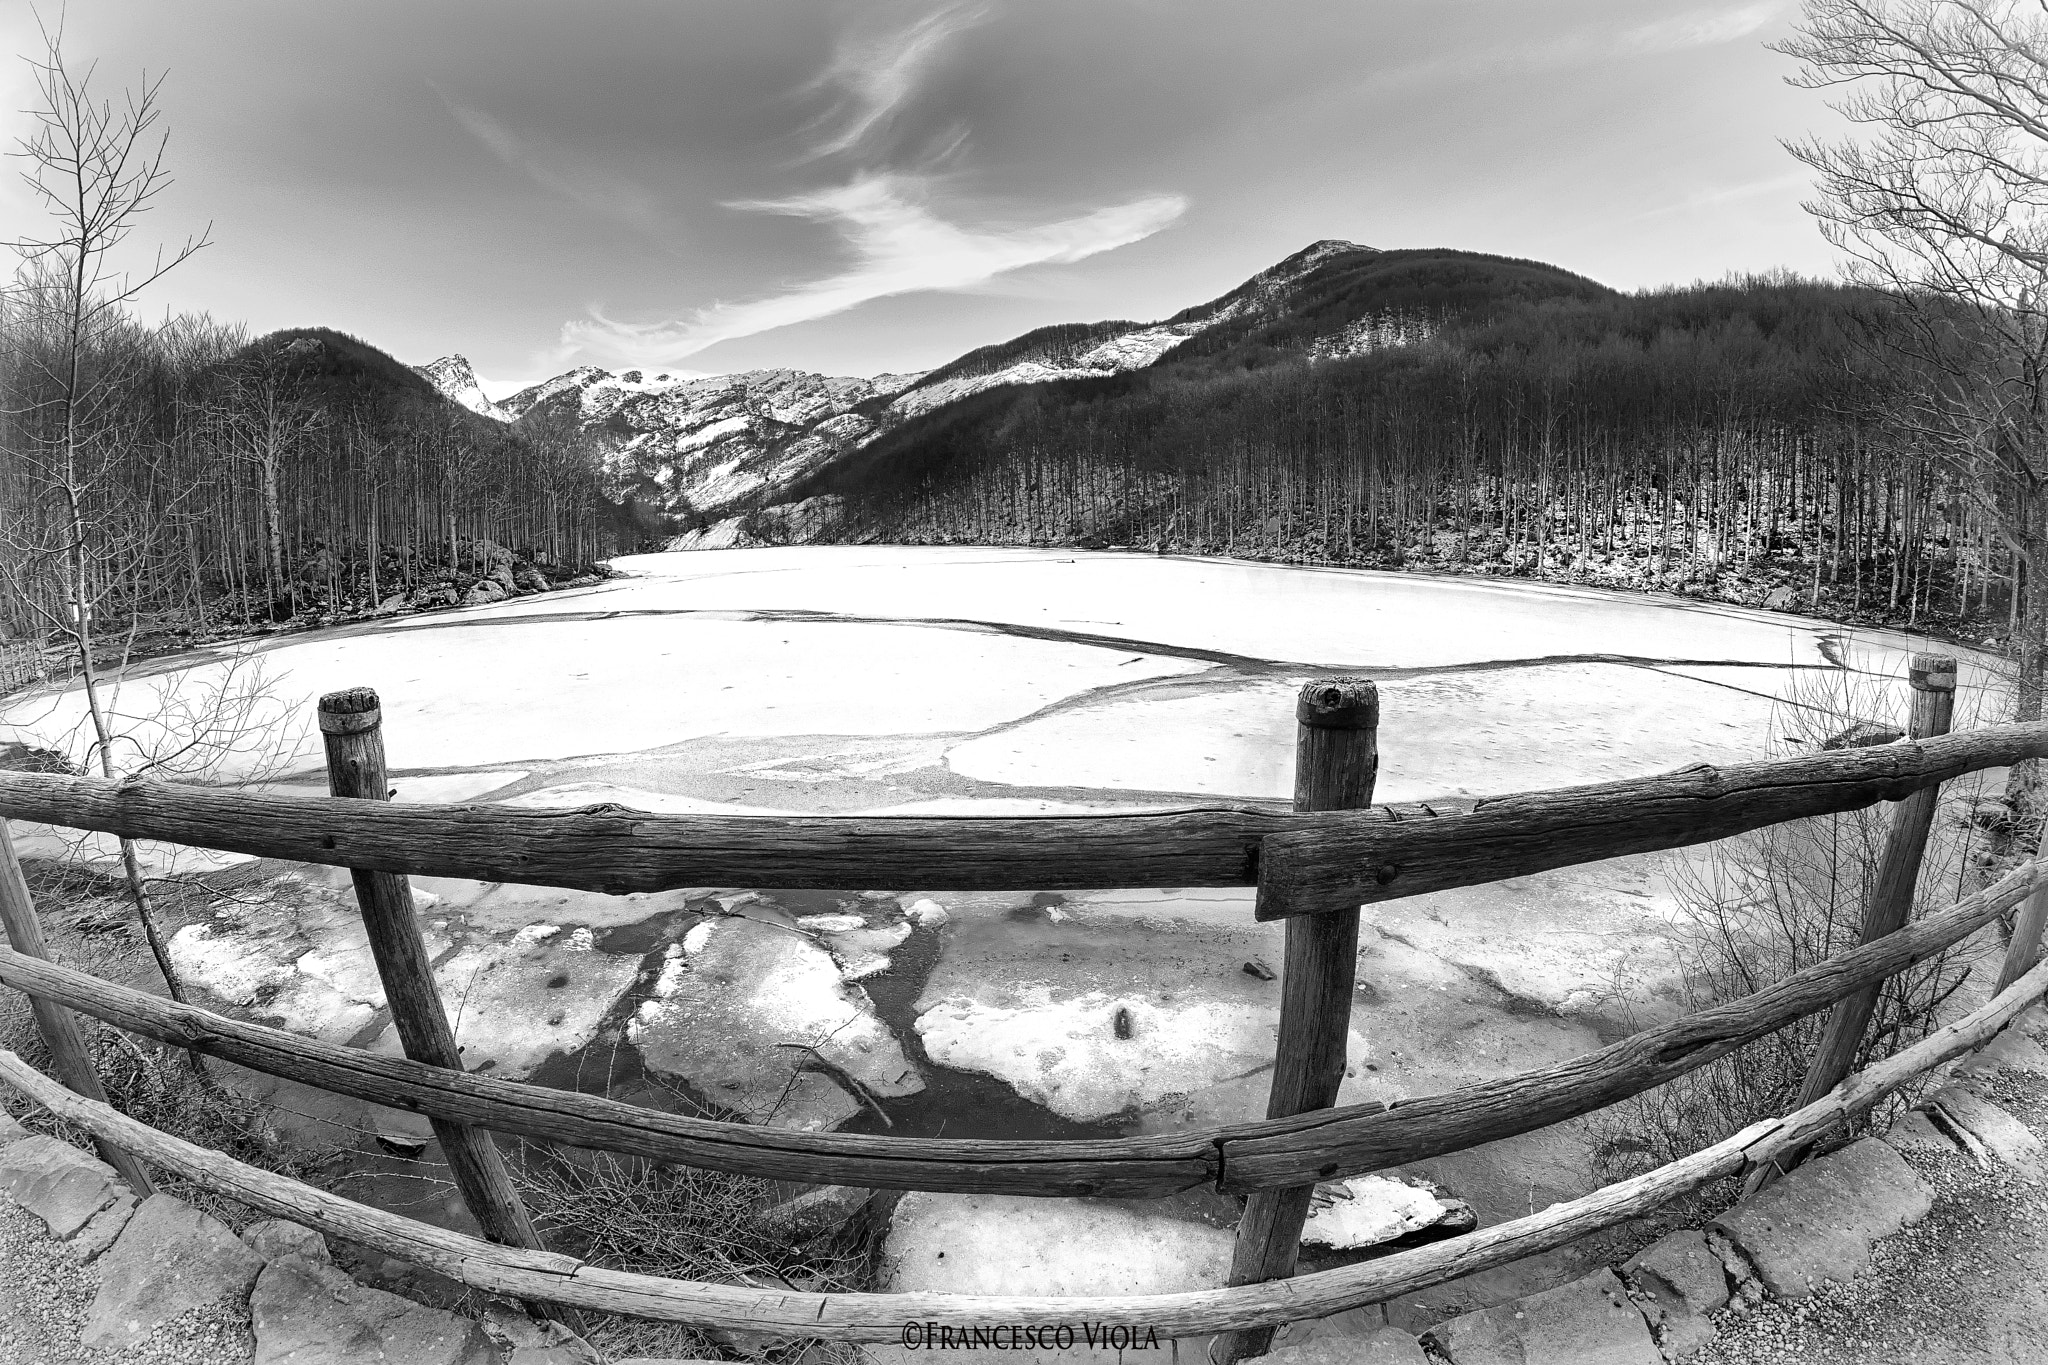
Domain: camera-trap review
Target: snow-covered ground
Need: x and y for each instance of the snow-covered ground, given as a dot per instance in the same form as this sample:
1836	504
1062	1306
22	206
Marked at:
879	679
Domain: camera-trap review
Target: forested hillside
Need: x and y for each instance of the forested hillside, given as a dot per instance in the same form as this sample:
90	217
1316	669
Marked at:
198	481
1468	413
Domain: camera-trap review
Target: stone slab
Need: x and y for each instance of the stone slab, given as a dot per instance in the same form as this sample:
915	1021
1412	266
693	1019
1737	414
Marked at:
277	1237
306	1313
101	1229
2000	1136
11	1129
2011	1050
168	1260
1683	1280
1818	1222
1386	1346
1591	1321
56	1182
1913	1132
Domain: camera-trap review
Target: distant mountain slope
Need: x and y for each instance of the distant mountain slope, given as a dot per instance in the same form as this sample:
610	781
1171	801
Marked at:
1332	301
454	378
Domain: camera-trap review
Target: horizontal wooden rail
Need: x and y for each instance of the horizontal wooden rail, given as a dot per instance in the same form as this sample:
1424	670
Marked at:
1339	1142
1311	862
1125	1167
881	1317
1244	1157
1341	860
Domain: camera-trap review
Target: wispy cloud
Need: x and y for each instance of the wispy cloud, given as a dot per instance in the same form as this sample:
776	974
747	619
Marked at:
885	209
871	77
1676	33
901	246
1700	28
604	193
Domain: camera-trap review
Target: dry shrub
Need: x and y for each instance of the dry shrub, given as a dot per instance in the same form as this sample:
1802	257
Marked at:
1757	908
627	1213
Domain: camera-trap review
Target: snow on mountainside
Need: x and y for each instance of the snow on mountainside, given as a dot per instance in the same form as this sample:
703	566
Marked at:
453	377
704	445
1110	347
715	447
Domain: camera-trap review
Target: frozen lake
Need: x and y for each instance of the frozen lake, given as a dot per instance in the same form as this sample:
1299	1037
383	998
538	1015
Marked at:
880	679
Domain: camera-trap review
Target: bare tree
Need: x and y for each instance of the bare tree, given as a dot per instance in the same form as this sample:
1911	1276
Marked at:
96	168
1940	199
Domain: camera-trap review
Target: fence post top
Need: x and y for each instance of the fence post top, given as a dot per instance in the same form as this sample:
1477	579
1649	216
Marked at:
1339	704
1932	673
351	711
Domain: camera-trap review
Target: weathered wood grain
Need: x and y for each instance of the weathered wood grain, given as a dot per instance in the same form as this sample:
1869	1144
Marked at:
881	1317
1121	1167
61	1035
1352	1140
1339	861
352	732
1336	763
2024	949
1333	860
1933	678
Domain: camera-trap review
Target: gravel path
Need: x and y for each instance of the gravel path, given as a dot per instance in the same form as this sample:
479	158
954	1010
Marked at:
44	1298
1967	1286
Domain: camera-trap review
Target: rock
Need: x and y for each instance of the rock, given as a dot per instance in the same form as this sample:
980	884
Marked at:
310	1314
1778	599
530	579
1818	1222
169	1260
501	574
2011	1050
1387	1346
102	1229
926	913
486	590
274	1238
814	1213
1587	1322
56	1182
11	1130
1988	1132
1683	1281
1913	1131
527	1342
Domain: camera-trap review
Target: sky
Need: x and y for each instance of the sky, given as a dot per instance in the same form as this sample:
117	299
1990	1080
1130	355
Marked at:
706	186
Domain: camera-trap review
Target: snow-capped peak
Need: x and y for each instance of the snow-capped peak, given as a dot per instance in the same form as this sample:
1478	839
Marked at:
452	375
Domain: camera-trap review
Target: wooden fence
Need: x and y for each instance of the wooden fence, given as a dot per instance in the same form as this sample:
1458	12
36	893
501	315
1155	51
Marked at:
1313	868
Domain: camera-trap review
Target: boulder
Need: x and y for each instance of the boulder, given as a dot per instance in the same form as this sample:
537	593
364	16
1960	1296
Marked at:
168	1260
305	1313
1818	1222
529	579
1587	1322
486	590
275	1238
11	1130
1679	1280
56	1182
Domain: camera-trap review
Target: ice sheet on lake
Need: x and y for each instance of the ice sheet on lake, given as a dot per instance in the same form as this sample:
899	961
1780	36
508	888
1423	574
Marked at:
754	1016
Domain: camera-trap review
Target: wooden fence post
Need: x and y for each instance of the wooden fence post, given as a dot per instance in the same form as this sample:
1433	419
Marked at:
59	1028
1336	759
1933	678
2025	947
351	724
